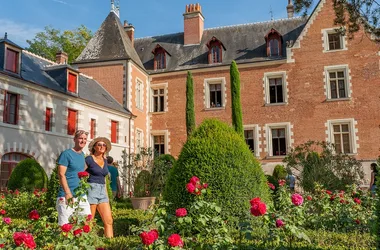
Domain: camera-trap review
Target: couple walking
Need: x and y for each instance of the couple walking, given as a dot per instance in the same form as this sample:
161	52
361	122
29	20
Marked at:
70	163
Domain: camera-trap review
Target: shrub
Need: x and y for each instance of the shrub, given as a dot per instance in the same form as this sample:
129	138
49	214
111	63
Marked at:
27	176
279	172
190	114
219	156
53	187
141	185
124	219
160	171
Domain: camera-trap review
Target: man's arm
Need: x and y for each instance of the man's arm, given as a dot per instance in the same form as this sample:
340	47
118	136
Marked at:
63	181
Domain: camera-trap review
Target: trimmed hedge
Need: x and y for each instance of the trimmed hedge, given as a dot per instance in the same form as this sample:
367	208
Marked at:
27	176
53	188
142	182
123	219
219	156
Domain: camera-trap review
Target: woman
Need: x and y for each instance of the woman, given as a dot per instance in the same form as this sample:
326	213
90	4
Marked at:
372	185
98	170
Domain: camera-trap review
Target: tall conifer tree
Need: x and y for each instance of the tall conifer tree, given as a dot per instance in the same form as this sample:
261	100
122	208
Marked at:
190	113
237	114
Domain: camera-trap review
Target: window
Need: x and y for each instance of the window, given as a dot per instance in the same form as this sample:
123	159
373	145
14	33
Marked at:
215	95
216	53
114	130
72	83
275	88
11	103
335	41
274	43
337	82
139	95
92	128
139	139
159	59
342	135
274	47
12	61
278	138
159	144
48	120
72	121
249	139
158	100
278	141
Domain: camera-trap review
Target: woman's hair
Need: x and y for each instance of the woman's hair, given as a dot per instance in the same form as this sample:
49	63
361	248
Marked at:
374	167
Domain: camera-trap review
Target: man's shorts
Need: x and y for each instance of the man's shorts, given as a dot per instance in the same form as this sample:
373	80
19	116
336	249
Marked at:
65	211
97	193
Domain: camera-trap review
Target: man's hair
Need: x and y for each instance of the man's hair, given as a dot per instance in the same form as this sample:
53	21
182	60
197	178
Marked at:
79	133
109	159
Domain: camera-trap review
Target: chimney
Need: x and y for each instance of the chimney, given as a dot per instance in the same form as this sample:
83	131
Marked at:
290	9
61	57
193	24
130	30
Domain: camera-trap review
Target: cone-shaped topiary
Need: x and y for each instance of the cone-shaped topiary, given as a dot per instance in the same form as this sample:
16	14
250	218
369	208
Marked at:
237	113
27	176
190	113
53	187
220	157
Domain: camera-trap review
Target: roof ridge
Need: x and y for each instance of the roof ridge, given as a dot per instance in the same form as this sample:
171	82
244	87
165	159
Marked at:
89	77
40	57
146	37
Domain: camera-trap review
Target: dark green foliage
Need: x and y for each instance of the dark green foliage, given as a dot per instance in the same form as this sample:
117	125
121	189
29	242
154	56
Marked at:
161	166
125	218
219	156
237	113
27	176
190	113
53	187
142	184
317	162
279	172
109	189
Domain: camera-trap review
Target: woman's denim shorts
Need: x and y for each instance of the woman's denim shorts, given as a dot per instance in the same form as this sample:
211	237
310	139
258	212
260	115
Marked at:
97	193
373	189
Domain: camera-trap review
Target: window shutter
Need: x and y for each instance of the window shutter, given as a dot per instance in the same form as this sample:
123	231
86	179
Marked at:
48	119
6	105
72	85
114	131
92	129
71	122
12	61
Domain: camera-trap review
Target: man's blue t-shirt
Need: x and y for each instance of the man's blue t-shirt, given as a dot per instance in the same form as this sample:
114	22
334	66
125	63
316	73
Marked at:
75	163
114	174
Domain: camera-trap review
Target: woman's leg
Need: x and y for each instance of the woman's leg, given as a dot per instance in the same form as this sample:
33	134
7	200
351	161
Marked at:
93	210
104	210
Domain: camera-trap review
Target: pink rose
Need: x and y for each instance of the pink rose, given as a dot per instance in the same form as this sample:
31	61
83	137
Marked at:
175	240
181	212
297	199
194	180
357	201
7	220
279	223
190	187
281	182
271	186
205	185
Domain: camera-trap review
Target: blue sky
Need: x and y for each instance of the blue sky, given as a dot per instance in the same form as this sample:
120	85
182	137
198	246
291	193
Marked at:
149	17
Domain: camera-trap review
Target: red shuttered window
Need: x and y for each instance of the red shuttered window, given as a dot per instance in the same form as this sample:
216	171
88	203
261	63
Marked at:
11	103
71	121
114	128
92	128
11	63
72	83
48	115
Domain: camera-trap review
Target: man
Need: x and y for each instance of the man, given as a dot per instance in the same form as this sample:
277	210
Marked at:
70	163
115	182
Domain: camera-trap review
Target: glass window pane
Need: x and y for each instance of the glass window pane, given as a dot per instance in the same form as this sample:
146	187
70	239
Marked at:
336	128
344	127
346	143
282	146
282	133
340	74
280	96
274	133
162	91
332	74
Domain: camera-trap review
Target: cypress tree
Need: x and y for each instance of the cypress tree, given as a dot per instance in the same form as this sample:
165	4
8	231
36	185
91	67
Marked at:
237	116
190	113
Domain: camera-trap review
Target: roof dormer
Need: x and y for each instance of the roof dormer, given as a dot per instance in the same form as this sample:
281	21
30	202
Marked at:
274	43
160	59
10	53
215	50
66	76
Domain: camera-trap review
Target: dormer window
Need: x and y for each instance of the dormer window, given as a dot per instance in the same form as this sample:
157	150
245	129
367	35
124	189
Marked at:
72	82
215	54
274	42
12	60
159	57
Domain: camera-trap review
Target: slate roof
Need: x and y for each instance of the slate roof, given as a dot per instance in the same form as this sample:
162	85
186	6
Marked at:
33	70
110	42
244	43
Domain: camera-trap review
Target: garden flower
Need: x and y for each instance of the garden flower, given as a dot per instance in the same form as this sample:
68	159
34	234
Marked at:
190	188
281	182
271	186
89	217
255	200
148	238
332	197
86	228
205	185
7	220
2	197
175	240
297	199
342	201
66	228
357	221
77	232
309	198
181	212
2	245
83	174
20	238
154	232
279	223
2	212
34	215
357	201
194	180
258	207
16	192
328	192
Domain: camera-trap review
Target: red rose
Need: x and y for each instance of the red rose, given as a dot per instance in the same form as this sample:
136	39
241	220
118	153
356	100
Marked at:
34	215
194	180
309	198
255	201
147	238
328	192
259	209
29	241
2	245
154	233
190	187
281	182
205	185
279	223
2	212
83	174
2	197
357	222
332	197
17	192
66	228
181	212
89	217
175	240
357	201
86	228
7	220
77	232
297	199
271	186
18	238
342	201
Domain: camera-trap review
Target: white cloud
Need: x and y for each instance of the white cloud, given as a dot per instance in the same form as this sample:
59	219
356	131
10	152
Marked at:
17	32
59	1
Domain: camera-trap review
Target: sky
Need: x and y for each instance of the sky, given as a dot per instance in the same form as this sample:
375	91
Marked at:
149	17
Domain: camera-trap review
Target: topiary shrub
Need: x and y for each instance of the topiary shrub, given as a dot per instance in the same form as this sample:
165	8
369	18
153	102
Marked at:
219	156
160	172
279	172
27	176
142	184
53	187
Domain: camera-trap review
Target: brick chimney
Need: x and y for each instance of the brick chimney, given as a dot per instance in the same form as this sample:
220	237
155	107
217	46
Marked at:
61	57
290	9
130	30
193	24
